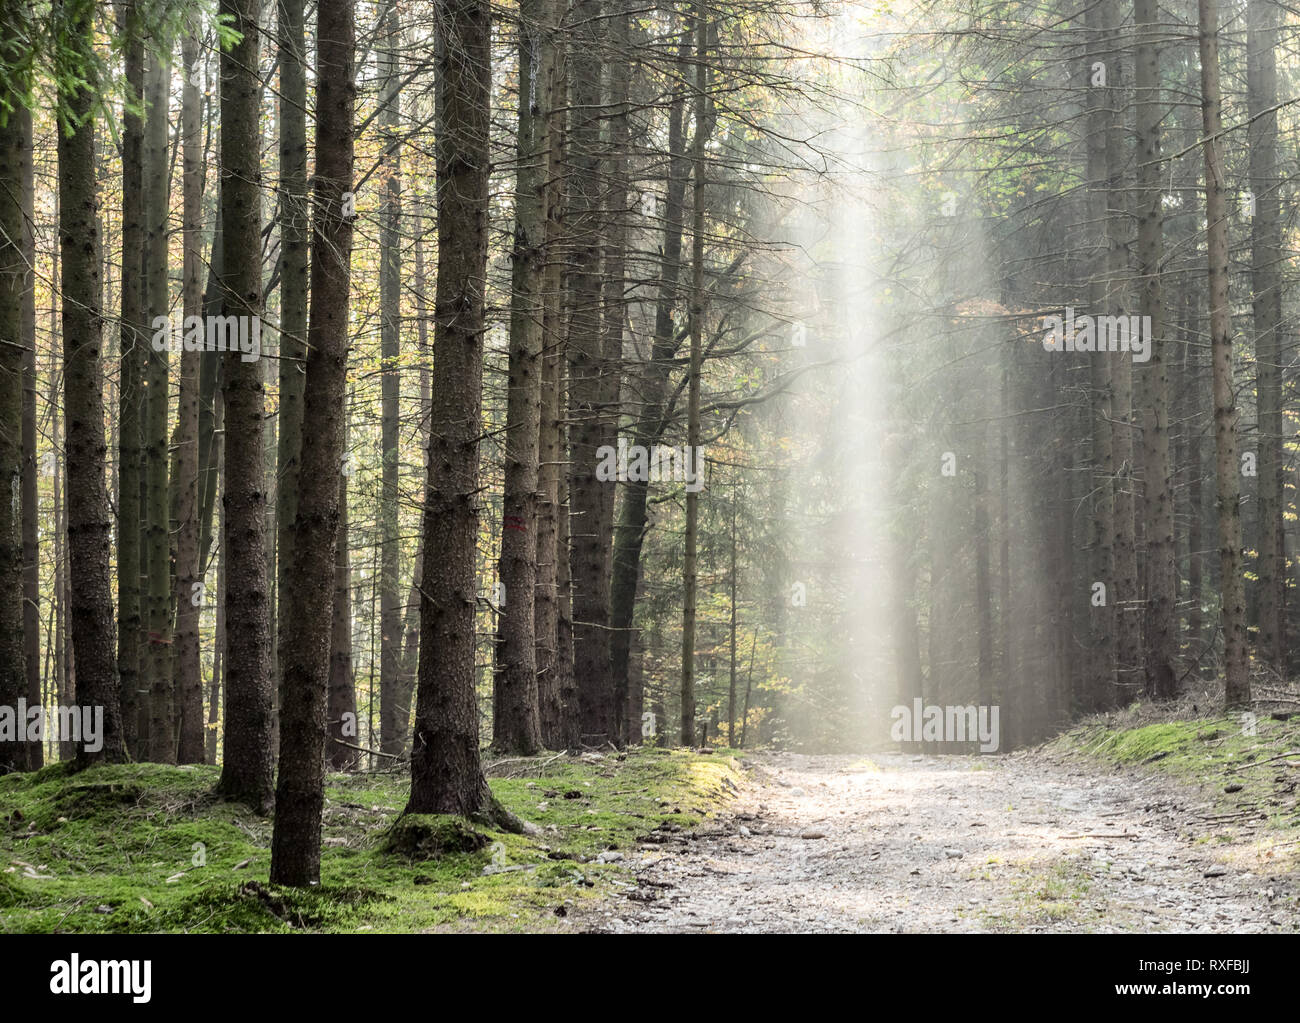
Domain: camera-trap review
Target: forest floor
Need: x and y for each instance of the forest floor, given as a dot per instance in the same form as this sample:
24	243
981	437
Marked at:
1133	822
1103	830
146	847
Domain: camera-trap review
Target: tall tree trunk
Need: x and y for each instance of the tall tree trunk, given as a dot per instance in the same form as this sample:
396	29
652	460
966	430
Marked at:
294	225
189	576
217	687
157	549
983	575
693	386
630	531
30	496
1227	469
446	773
341	707
89	524
1125	594
1266	288
15	155
246	773
614	303
411	627
589	550
1195	502
1161	556
552	558
1103	616
394	712
905	634
570	733
211	409
65	675
546	604
731	684
305	655
133	359
516	721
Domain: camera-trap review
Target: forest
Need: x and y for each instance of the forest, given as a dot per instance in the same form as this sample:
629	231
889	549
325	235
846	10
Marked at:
612	466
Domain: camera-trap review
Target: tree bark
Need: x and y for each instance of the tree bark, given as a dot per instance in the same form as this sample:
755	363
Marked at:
189	575
89	525
394	710
246	773
1102	691
552	556
589	552
133	359
1161	556
15	153
693	387
1266	287
30	496
1227	468
342	700
615	310
294	222
630	531
156	549
516	720
446	773
305	655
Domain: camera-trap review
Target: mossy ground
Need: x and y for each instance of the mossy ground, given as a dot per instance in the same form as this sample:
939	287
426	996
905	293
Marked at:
145	847
1236	761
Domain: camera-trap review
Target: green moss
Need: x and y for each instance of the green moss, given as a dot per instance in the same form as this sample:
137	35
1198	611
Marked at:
145	847
11	893
1213	753
430	836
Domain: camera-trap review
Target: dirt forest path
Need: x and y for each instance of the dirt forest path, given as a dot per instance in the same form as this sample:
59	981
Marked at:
901	843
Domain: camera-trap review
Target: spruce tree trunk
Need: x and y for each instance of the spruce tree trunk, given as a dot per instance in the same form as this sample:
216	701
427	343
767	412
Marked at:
546	602
217	687
294	225
15	150
1227	468
246	773
552	558
1102	692
570	732
1124	593
630	531
65	681
211	409
89	524
693	386
589	549
305	655
189	577
516	721
614	301
1266	291
394	710
411	625
1161	556
446	773
133	358
731	632
30	497
983	577
156	551
342	700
